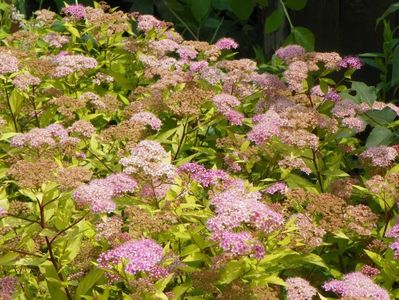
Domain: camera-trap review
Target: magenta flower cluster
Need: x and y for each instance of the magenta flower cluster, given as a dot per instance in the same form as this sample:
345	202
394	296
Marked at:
226	43
99	193
52	135
356	285
206	177
8	286
235	206
77	11
289	52
225	103
140	256
266	126
68	64
146	118
351	62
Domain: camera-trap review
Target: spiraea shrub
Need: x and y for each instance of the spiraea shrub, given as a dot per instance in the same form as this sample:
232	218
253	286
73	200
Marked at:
139	165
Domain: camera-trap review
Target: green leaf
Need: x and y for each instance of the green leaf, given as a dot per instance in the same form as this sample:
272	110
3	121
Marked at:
274	21
364	93
16	102
380	117
376	258
72	30
232	271
88	282
296	4
304	37
263	2
200	9
379	136
393	8
8	259
395	67
242	8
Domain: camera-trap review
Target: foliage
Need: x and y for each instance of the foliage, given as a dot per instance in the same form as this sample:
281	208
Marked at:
139	165
387	61
209	20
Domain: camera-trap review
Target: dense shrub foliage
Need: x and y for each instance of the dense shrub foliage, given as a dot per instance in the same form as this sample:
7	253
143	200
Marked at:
138	165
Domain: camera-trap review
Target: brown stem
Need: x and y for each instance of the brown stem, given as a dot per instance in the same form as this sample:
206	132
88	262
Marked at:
100	160
51	253
22	218
32	100
181	140
14	120
70	226
317	171
22	252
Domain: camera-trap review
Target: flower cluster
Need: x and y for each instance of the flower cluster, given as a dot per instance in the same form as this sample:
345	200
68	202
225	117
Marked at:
25	80
235	207
68	64
202	175
146	118
8	286
149	159
50	136
140	256
356	285
379	156
299	289
8	63
78	11
99	193
224	104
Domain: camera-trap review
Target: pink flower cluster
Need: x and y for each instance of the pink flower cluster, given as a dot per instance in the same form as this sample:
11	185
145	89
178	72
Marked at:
25	80
202	175
8	63
278	187
99	193
3	211
356	285
56	40
268	125
226	43
8	286
146	118
140	256
52	135
224	104
299	289
394	233
78	11
351	62
198	66
68	64
295	75
289	52
380	156
294	163
148	158
239	244
187	53
235	207
348	111
147	22
82	128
